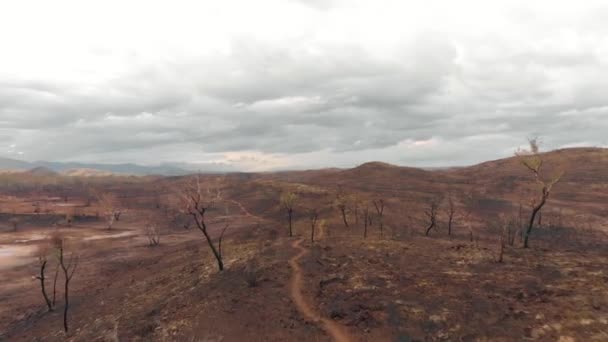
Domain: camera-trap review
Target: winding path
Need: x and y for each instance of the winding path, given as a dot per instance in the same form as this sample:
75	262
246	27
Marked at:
335	330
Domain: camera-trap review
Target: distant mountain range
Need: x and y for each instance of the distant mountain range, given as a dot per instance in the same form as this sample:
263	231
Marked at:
76	168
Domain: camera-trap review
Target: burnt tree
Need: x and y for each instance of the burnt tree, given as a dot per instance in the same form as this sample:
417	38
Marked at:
533	162
288	200
341	203
431	214
197	202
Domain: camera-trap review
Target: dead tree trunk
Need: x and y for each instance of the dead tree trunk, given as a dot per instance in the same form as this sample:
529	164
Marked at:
314	215
535	210
197	203
68	272
432	215
290	219
366	221
41	277
288	201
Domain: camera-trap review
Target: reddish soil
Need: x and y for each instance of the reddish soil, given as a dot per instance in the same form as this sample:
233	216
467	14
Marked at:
394	286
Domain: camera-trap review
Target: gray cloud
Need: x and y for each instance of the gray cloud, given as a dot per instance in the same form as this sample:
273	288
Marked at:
462	99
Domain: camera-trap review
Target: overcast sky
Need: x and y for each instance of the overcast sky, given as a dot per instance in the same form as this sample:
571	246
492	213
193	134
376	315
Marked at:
265	85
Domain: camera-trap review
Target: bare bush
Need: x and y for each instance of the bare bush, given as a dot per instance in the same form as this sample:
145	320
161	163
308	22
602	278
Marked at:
153	233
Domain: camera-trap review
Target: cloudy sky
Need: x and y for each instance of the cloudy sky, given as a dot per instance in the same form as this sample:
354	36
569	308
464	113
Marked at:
265	85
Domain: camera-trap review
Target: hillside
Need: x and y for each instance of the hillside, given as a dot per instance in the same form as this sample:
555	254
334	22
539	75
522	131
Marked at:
374	278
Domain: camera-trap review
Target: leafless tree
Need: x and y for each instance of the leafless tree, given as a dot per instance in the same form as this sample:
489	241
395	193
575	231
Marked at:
471	201
197	202
504	232
111	207
533	161
341	203
288	201
367	218
501	250
68	266
431	213
314	216
356	202
42	263
379	205
55	284
451	211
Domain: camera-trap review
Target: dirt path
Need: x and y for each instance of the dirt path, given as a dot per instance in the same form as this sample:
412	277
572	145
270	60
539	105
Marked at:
247	213
335	330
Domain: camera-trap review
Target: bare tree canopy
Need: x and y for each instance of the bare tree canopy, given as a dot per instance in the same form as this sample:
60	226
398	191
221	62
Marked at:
197	200
532	160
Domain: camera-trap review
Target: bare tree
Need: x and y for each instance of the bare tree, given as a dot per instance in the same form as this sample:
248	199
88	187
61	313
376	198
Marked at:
111	207
69	268
197	202
288	200
533	161
451	211
501	250
356	203
504	232
379	205
55	284
431	213
367	220
471	201
42	263
314	216
341	203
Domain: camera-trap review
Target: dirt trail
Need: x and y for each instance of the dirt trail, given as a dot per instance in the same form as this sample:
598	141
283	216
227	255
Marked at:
335	330
247	213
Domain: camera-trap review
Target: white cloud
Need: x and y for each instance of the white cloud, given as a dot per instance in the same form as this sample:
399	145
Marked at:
275	84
